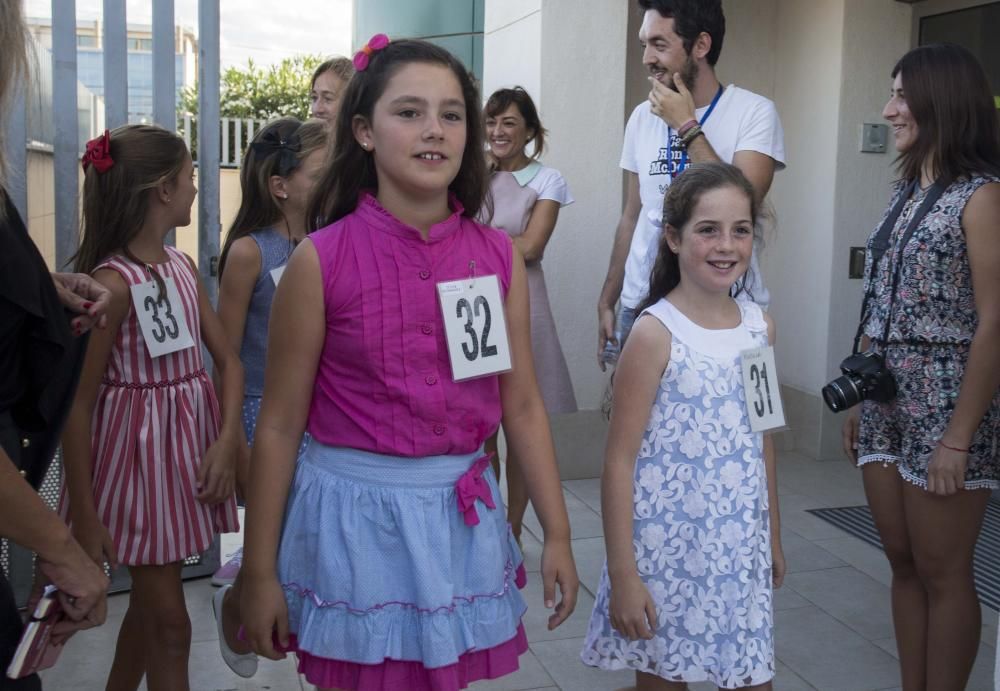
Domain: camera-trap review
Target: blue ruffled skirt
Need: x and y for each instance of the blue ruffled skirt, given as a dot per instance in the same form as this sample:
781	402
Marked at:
379	562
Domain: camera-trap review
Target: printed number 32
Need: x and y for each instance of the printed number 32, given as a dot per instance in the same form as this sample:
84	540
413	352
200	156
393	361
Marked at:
757	376
478	344
161	334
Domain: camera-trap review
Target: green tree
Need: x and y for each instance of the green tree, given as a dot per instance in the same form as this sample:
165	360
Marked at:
262	93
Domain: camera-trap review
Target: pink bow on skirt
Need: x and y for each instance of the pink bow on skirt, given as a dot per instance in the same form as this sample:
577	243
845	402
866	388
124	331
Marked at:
472	486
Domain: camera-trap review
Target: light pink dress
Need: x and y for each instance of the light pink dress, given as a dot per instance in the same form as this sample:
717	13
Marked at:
514	197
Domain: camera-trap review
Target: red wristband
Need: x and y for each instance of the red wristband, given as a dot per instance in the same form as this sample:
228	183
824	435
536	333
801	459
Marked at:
683	129
952	448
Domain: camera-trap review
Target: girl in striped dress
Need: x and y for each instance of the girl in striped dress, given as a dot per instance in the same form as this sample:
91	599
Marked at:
150	462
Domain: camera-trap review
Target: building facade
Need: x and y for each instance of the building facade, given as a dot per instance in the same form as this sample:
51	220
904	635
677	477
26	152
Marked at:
90	61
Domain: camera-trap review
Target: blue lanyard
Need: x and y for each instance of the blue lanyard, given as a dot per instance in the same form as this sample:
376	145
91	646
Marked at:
704	118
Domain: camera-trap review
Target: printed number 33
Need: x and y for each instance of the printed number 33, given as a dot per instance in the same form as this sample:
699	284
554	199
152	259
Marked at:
479	344
163	331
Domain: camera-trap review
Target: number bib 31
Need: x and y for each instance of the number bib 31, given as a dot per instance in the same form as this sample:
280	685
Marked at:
760	383
161	317
475	327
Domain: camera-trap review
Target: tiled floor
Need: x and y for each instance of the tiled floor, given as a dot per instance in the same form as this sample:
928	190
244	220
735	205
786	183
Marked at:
833	627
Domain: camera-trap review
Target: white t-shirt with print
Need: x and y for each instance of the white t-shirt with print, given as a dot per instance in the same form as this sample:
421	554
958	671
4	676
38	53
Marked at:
741	121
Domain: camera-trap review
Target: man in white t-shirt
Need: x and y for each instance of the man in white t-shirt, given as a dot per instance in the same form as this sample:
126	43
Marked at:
681	42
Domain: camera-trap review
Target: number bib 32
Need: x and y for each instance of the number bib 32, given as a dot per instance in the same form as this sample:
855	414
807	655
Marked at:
475	327
760	383
161	317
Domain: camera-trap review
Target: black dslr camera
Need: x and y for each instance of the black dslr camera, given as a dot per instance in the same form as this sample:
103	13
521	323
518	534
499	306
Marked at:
865	377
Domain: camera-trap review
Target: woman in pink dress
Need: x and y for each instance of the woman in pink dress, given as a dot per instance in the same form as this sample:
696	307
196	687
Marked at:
527	197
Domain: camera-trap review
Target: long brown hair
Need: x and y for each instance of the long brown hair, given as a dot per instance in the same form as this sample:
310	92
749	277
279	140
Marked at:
682	197
14	70
950	98
116	201
291	142
351	169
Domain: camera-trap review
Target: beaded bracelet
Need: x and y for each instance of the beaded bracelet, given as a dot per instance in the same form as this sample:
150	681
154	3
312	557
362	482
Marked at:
683	129
952	448
690	135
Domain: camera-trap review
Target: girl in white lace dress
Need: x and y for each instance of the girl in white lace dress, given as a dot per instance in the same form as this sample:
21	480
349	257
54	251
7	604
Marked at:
689	492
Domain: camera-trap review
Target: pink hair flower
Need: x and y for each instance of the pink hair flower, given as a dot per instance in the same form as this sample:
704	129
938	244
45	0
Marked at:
375	43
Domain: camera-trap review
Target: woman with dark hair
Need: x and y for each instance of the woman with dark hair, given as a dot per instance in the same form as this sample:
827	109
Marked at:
39	365
933	314
527	197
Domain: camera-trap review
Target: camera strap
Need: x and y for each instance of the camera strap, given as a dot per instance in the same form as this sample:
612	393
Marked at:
880	245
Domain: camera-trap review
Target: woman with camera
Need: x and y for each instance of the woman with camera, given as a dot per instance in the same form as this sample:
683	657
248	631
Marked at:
927	432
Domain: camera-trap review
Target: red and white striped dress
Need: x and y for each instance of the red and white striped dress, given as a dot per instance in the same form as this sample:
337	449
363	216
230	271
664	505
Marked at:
153	422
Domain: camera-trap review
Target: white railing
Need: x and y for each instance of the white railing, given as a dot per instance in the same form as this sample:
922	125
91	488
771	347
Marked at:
236	135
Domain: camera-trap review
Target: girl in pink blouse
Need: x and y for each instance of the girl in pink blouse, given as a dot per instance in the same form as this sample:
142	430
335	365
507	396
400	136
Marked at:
394	567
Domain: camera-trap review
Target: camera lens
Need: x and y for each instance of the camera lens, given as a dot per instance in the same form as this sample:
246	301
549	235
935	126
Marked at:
841	394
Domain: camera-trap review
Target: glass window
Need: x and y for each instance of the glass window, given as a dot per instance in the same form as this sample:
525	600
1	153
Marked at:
85	41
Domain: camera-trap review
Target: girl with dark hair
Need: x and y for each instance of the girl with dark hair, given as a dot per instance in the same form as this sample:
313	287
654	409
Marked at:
393	567
150	463
689	492
279	170
929	457
527	197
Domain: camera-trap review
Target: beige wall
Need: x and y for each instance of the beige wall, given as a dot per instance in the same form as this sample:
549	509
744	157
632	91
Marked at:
797	260
875	36
42	204
513	31
583	97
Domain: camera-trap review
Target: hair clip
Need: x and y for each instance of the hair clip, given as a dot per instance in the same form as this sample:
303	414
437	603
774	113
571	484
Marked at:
98	153
287	149
375	43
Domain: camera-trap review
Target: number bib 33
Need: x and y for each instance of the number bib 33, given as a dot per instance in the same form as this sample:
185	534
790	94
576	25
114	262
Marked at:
475	327
760	384
161	317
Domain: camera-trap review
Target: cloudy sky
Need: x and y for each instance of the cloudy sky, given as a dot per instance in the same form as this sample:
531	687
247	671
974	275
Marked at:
265	30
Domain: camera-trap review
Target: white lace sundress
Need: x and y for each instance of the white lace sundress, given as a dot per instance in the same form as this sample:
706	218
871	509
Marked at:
701	532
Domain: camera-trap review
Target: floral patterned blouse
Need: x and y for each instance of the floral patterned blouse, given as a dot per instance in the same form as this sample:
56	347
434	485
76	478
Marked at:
934	302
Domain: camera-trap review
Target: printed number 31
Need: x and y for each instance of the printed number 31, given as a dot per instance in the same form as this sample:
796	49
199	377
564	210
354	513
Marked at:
757	376
478	343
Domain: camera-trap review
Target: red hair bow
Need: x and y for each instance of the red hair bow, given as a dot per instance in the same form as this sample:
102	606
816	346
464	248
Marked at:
375	43
98	153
